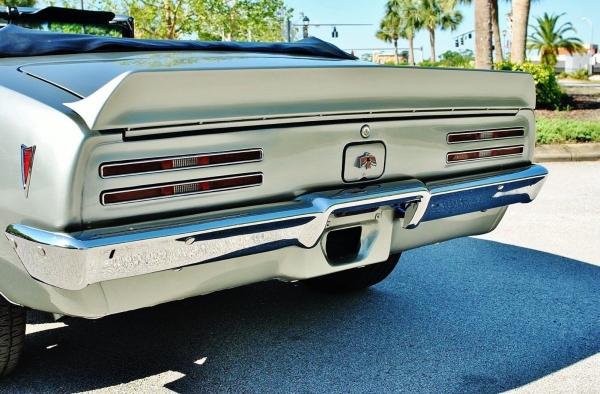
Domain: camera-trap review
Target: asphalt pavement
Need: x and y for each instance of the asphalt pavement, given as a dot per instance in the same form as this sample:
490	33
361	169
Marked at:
516	309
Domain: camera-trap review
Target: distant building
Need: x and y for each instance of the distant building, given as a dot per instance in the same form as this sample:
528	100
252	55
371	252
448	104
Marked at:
388	57
576	61
573	62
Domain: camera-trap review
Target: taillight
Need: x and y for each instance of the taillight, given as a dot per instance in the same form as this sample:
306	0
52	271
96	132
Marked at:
27	155
484	135
179	162
454	157
184	188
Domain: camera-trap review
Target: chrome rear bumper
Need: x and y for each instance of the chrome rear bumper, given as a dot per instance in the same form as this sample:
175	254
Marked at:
74	261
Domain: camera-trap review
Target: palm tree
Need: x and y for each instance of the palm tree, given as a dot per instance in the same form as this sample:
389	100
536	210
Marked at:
389	31
548	37
498	55
520	20
438	13
483	41
410	22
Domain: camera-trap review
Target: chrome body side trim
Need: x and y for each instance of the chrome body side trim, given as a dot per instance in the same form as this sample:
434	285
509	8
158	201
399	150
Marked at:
75	260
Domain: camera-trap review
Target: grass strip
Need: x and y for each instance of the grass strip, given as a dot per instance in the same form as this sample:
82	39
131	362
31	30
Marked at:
560	131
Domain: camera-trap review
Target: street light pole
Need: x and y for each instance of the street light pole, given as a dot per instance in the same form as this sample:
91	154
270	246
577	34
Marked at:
590	50
305	23
589	22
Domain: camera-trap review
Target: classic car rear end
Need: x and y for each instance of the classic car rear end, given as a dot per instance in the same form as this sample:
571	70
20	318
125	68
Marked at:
132	179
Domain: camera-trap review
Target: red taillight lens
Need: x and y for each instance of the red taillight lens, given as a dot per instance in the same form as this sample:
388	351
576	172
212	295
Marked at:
174	163
453	157
468	136
27	155
192	187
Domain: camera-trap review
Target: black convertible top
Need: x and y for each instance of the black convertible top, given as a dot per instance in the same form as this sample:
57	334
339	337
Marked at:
18	41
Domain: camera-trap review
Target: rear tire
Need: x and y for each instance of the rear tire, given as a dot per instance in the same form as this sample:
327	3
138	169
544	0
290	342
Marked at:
12	335
354	279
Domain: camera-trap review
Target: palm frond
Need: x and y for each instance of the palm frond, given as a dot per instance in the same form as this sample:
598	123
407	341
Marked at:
548	37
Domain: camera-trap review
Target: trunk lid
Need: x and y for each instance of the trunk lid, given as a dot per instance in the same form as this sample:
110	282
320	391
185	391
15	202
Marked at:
198	91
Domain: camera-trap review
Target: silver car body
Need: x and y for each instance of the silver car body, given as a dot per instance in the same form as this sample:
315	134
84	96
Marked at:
68	251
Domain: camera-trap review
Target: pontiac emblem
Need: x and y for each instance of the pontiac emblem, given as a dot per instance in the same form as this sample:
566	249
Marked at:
27	155
366	160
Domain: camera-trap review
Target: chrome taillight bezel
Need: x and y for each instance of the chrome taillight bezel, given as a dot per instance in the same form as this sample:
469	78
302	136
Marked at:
520	150
486	135
255	155
257	175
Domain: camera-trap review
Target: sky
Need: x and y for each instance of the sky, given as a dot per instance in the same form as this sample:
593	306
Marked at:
371	12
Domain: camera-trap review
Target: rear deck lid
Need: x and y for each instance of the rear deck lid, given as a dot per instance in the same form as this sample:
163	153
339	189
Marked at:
161	89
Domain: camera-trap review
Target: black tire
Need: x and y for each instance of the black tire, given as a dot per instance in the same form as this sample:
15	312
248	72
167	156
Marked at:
12	336
354	279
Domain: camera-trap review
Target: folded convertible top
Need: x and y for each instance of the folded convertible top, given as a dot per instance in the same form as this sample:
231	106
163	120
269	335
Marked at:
17	41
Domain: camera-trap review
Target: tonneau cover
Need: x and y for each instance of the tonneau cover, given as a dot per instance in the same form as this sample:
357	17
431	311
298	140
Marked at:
17	41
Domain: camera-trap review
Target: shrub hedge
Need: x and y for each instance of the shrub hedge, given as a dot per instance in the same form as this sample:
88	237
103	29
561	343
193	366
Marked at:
548	91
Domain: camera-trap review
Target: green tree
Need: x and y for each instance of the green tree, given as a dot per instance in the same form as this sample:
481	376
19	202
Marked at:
161	19
18	3
462	59
252	20
164	19
436	14
247	20
548	37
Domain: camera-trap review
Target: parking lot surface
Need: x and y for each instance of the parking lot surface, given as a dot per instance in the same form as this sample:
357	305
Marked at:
515	309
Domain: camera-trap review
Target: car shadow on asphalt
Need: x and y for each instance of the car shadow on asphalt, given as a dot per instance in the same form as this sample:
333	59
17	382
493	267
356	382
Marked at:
468	315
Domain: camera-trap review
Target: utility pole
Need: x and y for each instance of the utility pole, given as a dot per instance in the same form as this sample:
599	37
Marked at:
289	30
